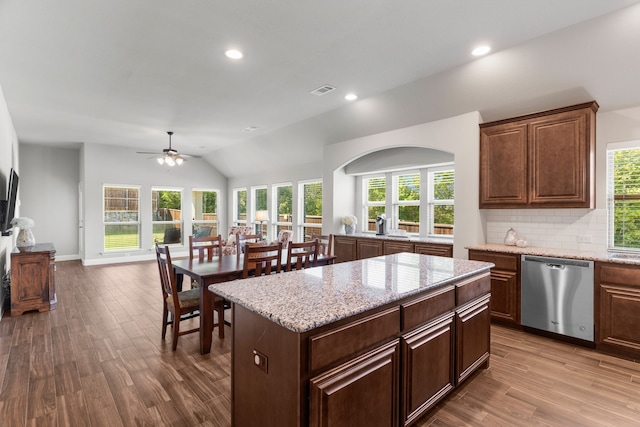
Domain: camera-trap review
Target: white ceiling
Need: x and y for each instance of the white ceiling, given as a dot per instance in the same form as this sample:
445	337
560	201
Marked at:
124	72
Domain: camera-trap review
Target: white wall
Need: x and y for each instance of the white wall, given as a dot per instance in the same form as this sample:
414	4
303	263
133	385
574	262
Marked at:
458	135
122	166
8	160
49	178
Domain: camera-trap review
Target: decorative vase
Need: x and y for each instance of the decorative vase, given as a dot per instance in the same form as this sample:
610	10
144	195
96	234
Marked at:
349	229
25	238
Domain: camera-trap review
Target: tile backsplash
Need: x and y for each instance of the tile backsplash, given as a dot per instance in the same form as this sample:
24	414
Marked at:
575	229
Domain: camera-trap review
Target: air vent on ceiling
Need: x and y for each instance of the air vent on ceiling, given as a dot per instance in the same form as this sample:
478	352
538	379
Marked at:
322	90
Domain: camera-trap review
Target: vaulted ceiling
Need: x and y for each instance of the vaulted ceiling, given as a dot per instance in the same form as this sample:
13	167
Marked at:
124	72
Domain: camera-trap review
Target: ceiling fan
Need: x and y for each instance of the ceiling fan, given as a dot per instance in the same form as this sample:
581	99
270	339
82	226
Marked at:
170	156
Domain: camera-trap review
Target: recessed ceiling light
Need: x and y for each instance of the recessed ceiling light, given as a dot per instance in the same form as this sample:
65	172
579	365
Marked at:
481	50
250	129
351	97
234	54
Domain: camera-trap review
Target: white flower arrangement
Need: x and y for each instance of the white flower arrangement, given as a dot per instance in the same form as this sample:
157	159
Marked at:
22	223
349	220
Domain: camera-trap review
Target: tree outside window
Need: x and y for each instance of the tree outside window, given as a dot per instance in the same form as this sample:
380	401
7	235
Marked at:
166	225
240	206
205	212
311	209
376	197
623	197
283	207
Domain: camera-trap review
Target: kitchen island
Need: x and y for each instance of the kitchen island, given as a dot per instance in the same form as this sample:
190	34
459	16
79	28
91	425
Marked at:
371	342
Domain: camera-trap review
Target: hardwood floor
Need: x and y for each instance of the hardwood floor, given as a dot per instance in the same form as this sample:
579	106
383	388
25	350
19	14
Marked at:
98	360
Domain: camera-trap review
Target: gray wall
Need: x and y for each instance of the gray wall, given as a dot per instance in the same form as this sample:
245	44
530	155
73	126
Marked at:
49	178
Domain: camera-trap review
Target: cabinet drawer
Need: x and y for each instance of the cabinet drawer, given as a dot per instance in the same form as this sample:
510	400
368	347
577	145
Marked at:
472	288
396	247
353	338
620	274
421	310
510	262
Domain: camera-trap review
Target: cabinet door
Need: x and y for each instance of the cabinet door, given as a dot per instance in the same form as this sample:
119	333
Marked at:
503	165
505	285
617	301
368	248
427	367
560	151
29	282
345	248
472	337
360	393
434	249
392	247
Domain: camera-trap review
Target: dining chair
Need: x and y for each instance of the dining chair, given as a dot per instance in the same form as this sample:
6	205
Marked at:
230	245
326	242
182	305
302	255
211	245
243	239
261	258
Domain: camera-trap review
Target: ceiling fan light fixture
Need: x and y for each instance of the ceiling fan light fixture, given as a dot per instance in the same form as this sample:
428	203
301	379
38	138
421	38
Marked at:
179	160
161	160
169	160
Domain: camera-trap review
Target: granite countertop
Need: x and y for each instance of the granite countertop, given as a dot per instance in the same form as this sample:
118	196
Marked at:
412	238
619	258
306	299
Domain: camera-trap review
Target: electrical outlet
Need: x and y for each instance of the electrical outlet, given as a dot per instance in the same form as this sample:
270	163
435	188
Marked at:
584	239
260	360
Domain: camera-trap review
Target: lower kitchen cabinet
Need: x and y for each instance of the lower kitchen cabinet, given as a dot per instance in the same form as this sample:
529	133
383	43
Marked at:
473	337
337	398
427	367
505	285
617	309
351	248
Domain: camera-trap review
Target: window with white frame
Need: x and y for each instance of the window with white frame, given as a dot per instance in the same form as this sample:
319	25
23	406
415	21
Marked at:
204	205
310	209
283	207
239	206
406	202
375	199
166	208
121	218
440	200
400	195
259	203
623	196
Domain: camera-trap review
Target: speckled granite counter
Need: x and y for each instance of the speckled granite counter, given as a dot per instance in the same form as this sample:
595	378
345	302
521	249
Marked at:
619	258
306	299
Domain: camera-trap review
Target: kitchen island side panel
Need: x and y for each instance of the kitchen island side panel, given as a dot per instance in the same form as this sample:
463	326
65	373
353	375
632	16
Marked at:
265	372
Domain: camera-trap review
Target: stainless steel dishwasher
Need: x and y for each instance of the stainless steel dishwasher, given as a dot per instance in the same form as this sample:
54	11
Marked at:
557	296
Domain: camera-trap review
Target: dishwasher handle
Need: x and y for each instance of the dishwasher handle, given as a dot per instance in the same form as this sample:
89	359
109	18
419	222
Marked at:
556	266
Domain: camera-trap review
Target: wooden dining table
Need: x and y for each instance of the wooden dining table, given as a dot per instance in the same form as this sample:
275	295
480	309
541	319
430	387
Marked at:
219	269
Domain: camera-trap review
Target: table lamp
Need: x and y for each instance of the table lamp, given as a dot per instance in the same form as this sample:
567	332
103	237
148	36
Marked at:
261	217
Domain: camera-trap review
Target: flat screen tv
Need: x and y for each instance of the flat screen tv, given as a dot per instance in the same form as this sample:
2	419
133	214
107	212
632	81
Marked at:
8	206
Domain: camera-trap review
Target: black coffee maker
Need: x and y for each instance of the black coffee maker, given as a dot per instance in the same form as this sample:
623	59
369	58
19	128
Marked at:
381	225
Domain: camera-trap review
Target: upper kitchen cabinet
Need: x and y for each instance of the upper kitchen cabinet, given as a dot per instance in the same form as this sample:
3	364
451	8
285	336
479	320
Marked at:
542	160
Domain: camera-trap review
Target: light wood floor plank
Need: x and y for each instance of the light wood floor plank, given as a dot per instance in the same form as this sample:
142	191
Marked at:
98	359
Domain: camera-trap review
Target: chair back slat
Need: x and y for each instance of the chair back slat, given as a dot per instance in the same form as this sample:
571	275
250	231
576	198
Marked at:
167	275
302	255
261	259
212	246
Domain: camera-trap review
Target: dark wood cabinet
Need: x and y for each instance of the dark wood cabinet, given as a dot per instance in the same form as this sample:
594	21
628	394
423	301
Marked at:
369	248
617	309
436	249
384	367
33	279
337	397
505	285
427	367
473	337
542	160
351	248
344	248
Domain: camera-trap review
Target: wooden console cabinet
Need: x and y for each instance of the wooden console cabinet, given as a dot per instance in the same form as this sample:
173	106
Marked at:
33	279
542	160
617	309
505	285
